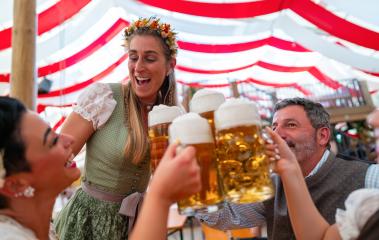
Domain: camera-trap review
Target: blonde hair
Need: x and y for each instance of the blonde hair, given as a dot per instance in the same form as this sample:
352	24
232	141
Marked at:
137	144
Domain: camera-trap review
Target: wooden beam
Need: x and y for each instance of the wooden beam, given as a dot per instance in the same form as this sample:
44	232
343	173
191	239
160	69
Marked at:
234	88
347	114
186	97
23	74
355	113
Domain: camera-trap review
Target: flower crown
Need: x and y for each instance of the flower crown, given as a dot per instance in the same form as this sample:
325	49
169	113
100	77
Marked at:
2	168
153	24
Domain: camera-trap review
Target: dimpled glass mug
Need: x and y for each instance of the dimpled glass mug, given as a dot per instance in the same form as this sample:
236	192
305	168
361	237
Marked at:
243	166
159	119
192	130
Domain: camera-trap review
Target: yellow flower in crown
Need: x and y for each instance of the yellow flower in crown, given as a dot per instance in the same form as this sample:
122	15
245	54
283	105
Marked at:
145	22
153	24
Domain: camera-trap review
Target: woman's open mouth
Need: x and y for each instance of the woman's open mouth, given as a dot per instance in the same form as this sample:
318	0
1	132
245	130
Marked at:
142	81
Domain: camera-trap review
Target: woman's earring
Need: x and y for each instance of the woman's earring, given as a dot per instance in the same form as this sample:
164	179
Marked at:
28	192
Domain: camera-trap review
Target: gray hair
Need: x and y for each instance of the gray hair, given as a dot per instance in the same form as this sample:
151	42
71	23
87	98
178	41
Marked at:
316	113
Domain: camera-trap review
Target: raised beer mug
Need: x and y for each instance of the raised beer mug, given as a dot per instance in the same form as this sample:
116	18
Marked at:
192	130
243	165
205	102
160	117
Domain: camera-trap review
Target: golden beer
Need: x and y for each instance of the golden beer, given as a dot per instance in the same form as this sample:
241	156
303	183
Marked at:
160	118
210	194
210	116
158	136
192	130
243	167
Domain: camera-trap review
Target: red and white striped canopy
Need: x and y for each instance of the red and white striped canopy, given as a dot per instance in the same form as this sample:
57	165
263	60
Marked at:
295	47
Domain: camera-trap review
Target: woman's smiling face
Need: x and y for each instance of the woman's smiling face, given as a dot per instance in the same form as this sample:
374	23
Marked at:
148	66
48	154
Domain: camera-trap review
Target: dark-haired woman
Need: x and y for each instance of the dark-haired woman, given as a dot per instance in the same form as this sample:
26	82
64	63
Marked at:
35	166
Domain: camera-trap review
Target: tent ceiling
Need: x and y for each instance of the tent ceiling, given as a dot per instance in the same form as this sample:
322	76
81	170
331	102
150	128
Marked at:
301	47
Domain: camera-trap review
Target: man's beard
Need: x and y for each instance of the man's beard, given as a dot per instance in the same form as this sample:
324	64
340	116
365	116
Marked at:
304	150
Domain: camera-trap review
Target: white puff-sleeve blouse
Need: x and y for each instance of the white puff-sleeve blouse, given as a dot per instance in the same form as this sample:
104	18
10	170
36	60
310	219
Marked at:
96	104
360	206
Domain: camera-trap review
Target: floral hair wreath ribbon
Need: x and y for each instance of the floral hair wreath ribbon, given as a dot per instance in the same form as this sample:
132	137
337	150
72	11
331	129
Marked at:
2	169
152	23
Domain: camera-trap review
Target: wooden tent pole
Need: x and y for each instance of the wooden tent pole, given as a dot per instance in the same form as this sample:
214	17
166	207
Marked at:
186	97
23	76
234	88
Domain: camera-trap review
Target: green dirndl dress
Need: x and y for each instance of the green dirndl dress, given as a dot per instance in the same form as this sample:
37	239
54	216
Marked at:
106	169
86	217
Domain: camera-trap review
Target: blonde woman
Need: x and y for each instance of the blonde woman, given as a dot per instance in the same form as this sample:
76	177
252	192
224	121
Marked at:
111	119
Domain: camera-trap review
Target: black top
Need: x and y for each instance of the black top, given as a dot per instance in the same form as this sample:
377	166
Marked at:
370	230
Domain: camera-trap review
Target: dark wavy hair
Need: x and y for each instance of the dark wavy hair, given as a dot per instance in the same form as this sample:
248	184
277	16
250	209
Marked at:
11	143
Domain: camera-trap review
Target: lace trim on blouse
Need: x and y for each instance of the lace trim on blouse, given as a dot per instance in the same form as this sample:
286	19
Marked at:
96	104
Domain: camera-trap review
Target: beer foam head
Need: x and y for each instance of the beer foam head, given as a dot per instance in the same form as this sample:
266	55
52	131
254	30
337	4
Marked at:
206	100
163	114
190	128
236	112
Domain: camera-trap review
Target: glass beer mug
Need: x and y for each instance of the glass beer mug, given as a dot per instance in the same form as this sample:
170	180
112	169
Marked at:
243	166
160	117
205	102
192	130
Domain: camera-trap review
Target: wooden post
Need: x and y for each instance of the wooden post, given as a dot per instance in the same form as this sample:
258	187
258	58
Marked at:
186	97
23	75
234	88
